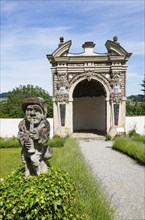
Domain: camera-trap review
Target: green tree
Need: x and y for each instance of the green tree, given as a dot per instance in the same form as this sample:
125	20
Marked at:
129	109
135	108
3	109
12	106
143	85
142	108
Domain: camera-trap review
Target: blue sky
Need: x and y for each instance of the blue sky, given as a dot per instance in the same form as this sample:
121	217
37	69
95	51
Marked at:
30	29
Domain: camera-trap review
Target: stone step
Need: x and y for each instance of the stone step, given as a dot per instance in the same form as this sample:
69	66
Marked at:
86	136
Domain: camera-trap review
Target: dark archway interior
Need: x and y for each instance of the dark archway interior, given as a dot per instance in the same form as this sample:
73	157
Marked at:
89	107
87	88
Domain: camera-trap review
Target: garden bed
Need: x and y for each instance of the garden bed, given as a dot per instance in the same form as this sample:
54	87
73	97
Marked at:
90	199
132	146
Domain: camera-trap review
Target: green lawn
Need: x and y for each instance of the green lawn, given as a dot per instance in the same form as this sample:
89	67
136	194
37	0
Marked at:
10	160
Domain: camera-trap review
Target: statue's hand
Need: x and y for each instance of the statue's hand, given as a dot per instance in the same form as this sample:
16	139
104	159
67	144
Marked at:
34	135
27	145
25	139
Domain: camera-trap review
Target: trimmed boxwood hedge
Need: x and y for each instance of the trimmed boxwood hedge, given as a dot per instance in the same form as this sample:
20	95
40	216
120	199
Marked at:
57	141
9	142
48	196
134	149
13	142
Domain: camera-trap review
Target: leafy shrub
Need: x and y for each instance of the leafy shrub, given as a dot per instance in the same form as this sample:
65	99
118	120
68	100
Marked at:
132	133
135	136
56	136
139	138
119	135
108	137
13	142
57	141
9	142
132	148
48	196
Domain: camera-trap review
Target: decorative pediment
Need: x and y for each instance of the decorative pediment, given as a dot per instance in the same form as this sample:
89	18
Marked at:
62	50
61	55
114	48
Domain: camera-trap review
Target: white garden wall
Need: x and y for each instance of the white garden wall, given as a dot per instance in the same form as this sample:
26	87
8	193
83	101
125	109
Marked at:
9	127
135	122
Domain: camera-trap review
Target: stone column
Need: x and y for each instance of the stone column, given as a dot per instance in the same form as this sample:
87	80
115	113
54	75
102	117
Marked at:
108	114
122	118
56	115
69	117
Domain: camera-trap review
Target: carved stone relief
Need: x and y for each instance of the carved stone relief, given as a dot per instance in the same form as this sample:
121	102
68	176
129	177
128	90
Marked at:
115	97
89	74
115	79
64	82
115	82
62	98
62	87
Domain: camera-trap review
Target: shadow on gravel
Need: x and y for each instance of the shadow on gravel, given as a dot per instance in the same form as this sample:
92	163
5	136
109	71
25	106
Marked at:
109	147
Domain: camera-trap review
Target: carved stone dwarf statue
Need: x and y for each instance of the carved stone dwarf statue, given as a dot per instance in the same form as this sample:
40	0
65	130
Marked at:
33	135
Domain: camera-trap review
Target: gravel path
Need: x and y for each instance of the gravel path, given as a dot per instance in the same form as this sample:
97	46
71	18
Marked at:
121	177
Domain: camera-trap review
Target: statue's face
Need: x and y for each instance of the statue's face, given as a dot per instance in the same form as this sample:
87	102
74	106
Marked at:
34	113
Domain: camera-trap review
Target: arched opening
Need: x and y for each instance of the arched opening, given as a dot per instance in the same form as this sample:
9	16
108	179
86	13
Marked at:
89	110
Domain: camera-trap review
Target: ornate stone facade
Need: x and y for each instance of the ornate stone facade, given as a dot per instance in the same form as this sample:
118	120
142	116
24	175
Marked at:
101	74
